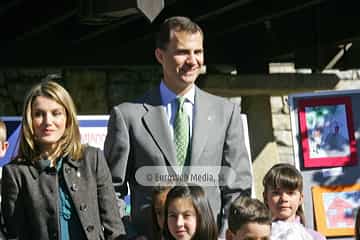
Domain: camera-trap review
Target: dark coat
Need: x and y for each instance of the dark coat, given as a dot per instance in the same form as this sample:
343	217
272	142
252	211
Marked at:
30	199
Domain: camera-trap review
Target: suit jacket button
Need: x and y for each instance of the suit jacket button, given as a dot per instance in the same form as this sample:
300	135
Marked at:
74	187
90	228
83	207
67	170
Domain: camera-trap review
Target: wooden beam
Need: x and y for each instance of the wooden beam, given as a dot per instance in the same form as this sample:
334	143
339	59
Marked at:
50	23
266	84
109	27
272	14
4	8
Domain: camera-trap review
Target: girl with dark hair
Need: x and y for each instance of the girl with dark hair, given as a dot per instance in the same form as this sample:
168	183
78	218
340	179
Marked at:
188	215
158	210
283	194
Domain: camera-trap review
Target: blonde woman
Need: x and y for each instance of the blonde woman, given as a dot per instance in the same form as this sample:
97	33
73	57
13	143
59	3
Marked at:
57	188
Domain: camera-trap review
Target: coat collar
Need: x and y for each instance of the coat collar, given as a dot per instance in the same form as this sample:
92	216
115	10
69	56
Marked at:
44	164
202	124
158	129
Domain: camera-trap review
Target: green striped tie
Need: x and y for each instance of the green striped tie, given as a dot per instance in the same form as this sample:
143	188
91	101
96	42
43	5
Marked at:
181	132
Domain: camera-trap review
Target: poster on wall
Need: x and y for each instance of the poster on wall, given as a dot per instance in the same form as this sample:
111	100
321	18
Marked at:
325	127
327	132
335	209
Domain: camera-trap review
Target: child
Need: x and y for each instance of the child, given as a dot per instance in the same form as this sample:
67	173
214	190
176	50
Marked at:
188	215
248	219
158	209
3	143
3	147
283	194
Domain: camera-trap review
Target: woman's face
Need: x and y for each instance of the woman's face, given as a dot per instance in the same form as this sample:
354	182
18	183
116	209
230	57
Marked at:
181	219
49	122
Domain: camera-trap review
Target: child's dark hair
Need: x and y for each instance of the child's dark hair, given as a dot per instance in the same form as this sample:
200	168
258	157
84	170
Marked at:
157	191
246	210
285	176
206	227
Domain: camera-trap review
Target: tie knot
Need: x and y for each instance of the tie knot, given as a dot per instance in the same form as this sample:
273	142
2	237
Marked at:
181	101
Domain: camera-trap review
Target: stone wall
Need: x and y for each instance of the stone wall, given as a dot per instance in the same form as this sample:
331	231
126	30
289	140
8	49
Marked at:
94	90
14	84
281	117
282	128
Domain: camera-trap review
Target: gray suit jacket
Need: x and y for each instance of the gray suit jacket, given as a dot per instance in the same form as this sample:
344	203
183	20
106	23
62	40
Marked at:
139	135
30	198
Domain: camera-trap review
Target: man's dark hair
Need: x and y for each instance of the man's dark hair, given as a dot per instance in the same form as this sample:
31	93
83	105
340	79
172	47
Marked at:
175	24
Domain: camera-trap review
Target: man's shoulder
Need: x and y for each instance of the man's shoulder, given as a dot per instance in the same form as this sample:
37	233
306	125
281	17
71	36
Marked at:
137	105
128	105
215	99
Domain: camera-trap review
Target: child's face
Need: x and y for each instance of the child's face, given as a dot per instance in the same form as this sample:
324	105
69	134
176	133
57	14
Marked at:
283	203
181	218
159	205
3	147
250	231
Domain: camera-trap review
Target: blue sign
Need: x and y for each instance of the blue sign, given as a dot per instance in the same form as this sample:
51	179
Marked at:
93	131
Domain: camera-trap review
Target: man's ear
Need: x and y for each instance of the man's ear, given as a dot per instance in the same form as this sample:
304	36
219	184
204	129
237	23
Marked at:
159	54
229	235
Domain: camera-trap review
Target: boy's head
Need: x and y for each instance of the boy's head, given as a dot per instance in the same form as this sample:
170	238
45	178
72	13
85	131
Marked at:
3	143
249	219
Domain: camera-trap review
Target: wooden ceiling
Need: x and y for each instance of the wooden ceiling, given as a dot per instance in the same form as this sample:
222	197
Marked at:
246	34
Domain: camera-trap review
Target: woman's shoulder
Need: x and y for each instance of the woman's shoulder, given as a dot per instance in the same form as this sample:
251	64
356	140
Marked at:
90	151
17	164
17	168
91	155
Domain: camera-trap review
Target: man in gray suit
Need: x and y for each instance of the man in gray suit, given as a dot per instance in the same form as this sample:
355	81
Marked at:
142	133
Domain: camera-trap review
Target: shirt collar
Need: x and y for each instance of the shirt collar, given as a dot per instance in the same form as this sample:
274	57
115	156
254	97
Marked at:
167	96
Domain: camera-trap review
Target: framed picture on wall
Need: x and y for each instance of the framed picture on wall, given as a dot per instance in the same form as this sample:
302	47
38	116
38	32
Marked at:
327	132
335	209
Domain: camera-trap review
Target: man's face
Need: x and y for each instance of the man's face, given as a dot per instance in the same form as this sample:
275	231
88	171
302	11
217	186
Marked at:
181	60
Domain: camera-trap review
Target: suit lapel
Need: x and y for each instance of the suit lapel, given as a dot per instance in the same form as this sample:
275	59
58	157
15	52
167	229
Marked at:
155	121
201	125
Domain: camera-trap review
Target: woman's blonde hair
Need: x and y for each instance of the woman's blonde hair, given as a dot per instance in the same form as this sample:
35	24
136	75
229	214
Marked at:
2	131
69	144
